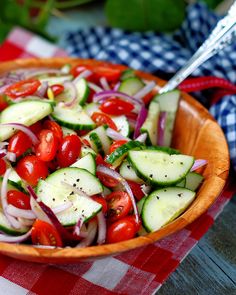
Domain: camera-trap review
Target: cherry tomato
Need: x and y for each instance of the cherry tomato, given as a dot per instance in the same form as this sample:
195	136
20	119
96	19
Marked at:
132	116
86	142
111	74
18	199
116	144
19	143
22	88
136	223
121	230
47	147
52	165
57	89
68	150
3	166
119	205
31	169
103	119
107	180
75	71
36	127
44	233
54	127
3	103
100	161
115	106
136	189
102	201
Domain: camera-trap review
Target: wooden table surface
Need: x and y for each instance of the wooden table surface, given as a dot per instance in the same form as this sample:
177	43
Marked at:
210	268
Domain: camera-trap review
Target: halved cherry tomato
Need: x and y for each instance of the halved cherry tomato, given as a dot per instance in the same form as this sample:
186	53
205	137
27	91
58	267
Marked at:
36	127
119	205
44	233
104	178
3	166
103	119
100	161
3	103
111	74
19	143
47	147
121	230
102	201
115	106
132	116
85	142
136	223
57	89
22	88
136	189
68	150
75	71
18	199
31	169
116	144
54	127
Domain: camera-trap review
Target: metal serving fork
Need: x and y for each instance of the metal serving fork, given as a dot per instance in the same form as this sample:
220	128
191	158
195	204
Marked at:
222	35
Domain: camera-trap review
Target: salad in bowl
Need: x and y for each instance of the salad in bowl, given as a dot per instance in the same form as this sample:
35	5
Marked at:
86	156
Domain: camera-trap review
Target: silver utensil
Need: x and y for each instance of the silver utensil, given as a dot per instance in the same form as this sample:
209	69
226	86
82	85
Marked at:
222	35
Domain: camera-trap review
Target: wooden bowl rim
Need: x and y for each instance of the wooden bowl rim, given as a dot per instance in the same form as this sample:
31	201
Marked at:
65	255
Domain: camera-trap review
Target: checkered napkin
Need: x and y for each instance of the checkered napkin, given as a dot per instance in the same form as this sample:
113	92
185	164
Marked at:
140	271
164	55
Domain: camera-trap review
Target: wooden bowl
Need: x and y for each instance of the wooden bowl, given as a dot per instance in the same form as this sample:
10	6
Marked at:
196	133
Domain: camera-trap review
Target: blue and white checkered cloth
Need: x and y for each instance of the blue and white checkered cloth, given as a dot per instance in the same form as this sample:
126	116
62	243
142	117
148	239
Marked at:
164	54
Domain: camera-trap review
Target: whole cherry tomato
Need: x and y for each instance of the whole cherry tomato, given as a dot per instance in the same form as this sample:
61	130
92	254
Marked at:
31	169
19	143
68	150
115	106
119	205
22	88
18	199
103	119
57	89
106	71
44	233
3	166
136	189
121	230
54	127
47	146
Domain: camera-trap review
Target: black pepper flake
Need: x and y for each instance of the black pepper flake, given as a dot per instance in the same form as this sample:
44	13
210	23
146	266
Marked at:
71	193
76	209
82	211
180	194
165	190
151	175
128	166
77	180
74	184
165	175
81	188
53	199
157	197
181	163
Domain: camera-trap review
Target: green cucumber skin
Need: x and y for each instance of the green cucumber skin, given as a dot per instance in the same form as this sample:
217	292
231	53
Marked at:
129	73
152	181
85	96
96	142
131	85
73	126
121	151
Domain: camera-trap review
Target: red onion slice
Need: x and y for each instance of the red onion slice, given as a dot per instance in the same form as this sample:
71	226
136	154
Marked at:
3	153
140	120
41	92
198	163
84	74
103	95
161	128
119	178
95	87
145	90
142	137
77	227
104	83
39	213
102	228
24	129
115	135
16	212
71	89
116	87
92	231
11	156
11	239
13	221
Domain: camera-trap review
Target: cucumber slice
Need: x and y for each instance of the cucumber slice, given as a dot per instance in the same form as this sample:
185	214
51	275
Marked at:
164	205
164	149
193	181
25	112
131	85
91	108
140	204
160	168
122	125
151	123
116	157
4	224
56	194
67	131
15	178
87	163
182	183
56	80
85	150
168	103
127	171
74	118
129	73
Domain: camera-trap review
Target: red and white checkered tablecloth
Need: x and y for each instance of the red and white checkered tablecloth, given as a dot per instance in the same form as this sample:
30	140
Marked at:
140	271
